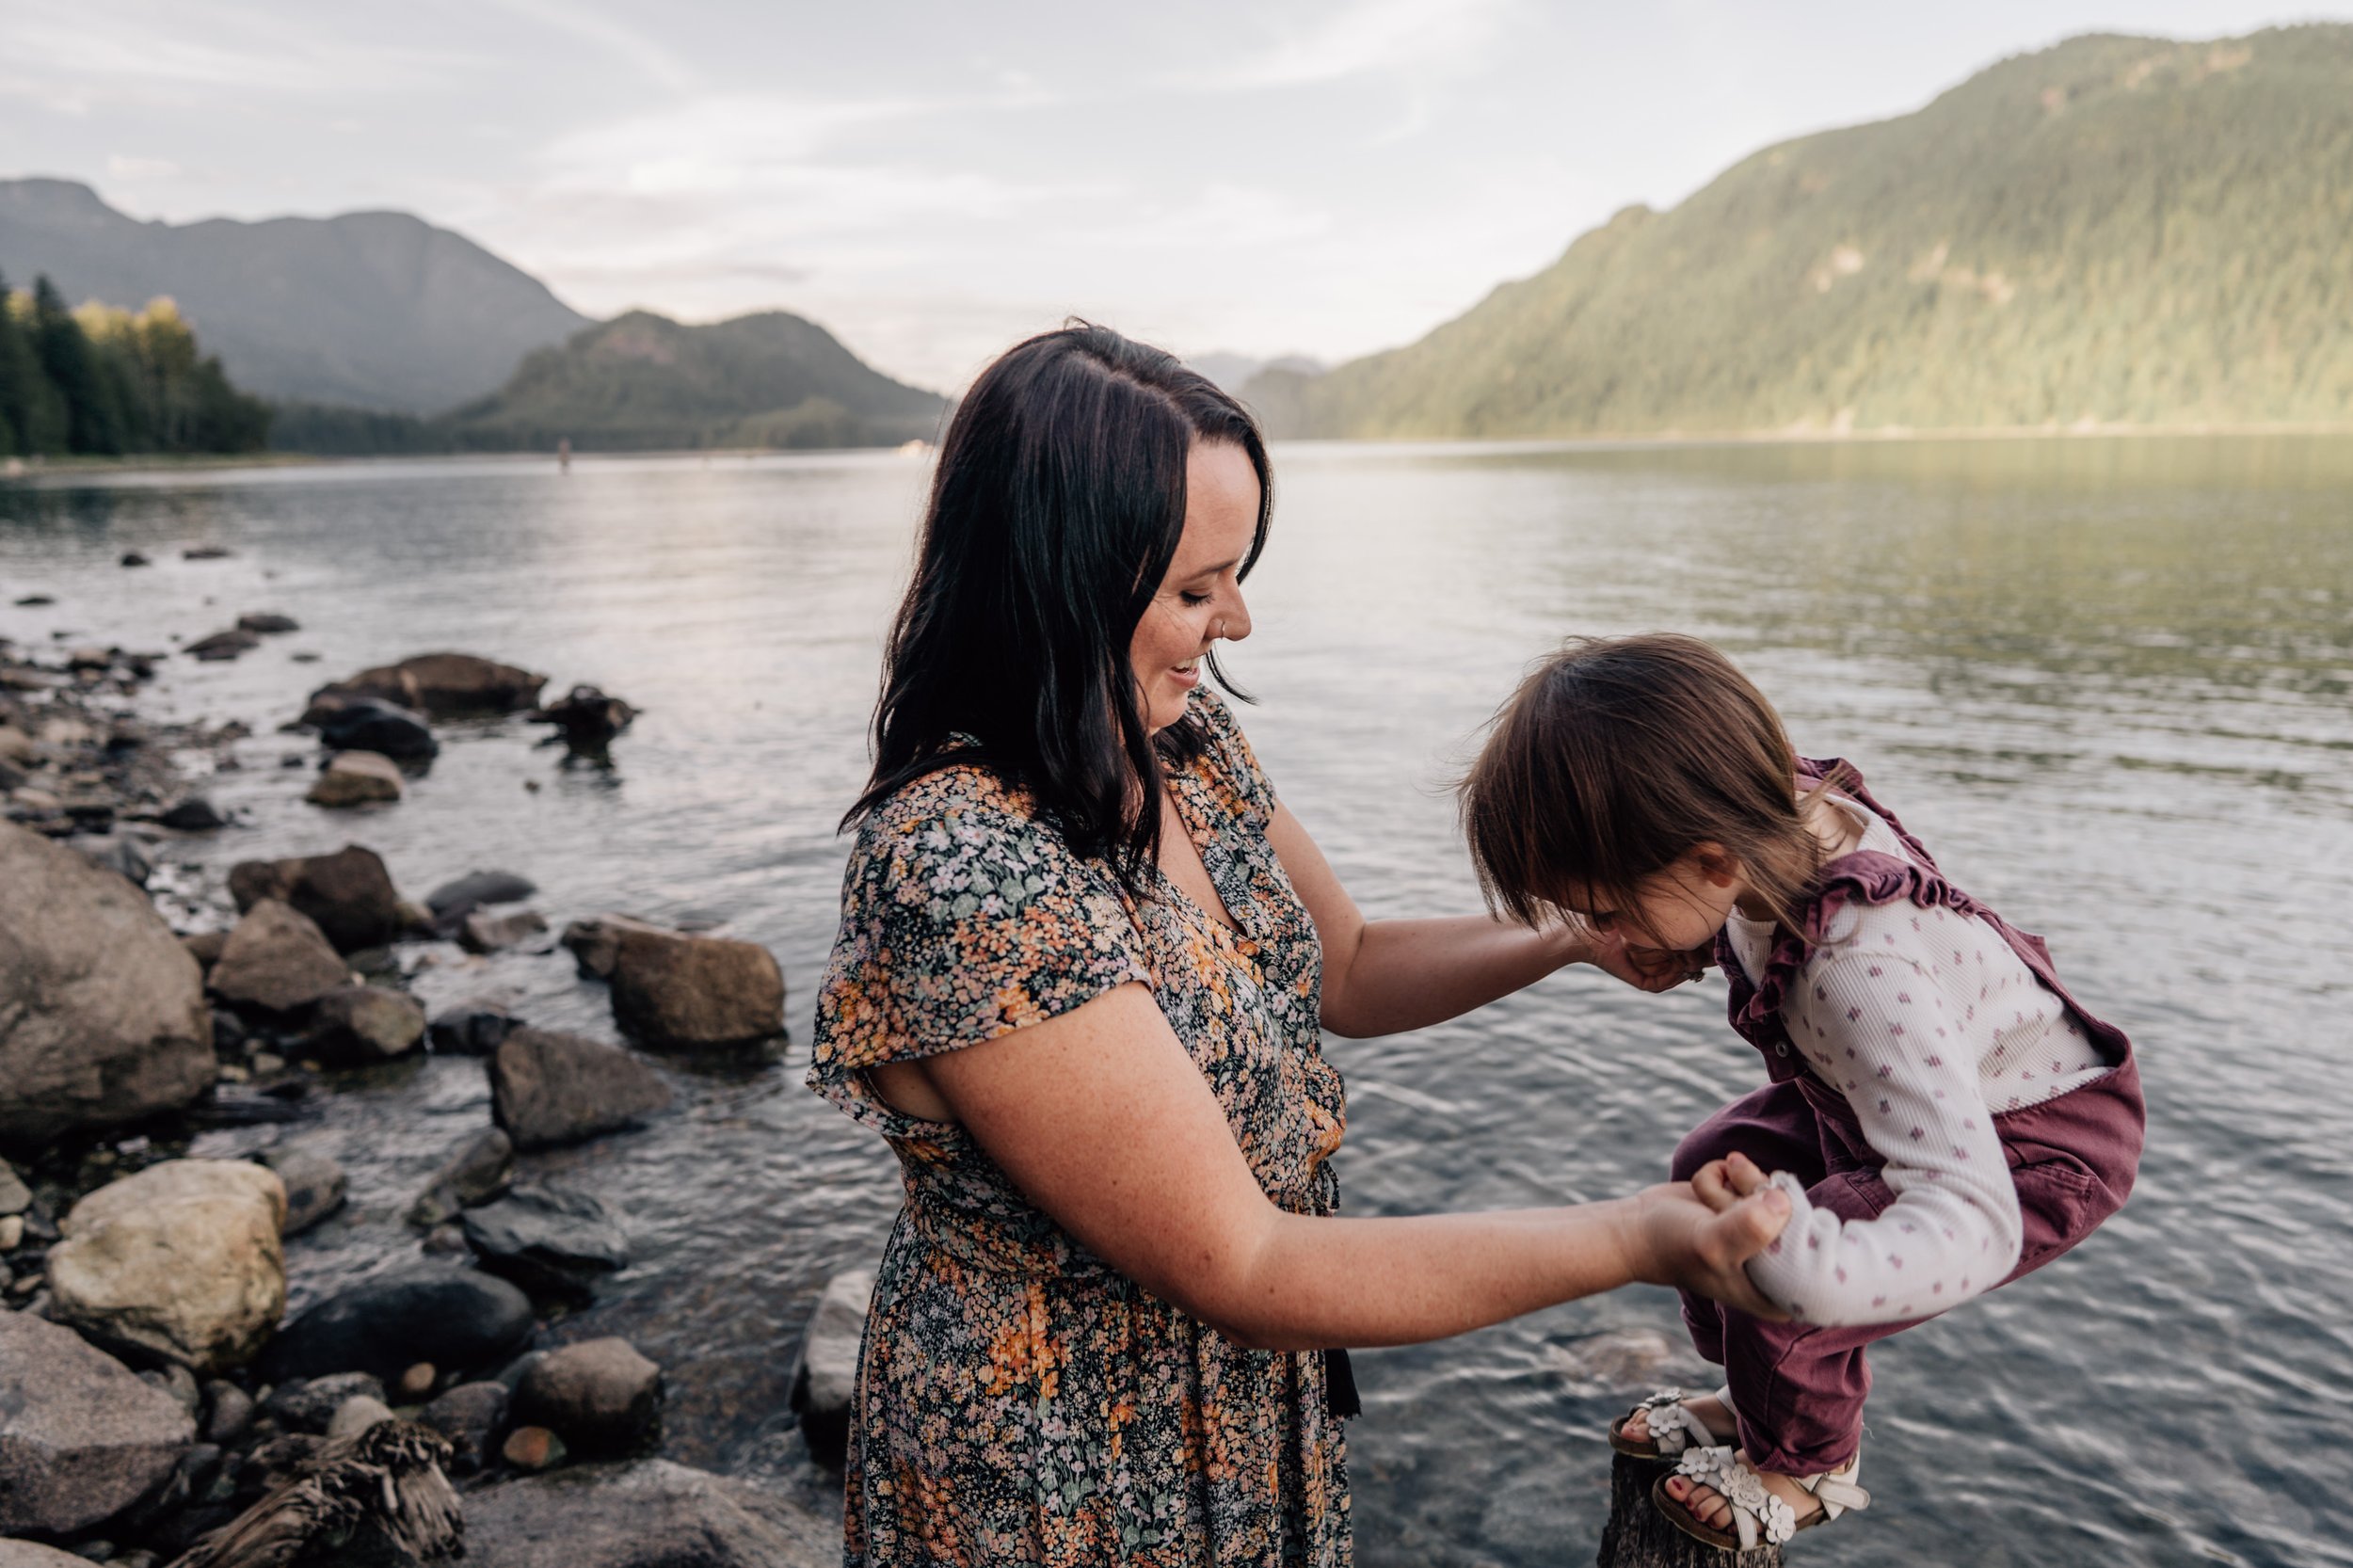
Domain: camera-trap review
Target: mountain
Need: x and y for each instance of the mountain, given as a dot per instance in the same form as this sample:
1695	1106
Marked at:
2114	229
372	310
644	381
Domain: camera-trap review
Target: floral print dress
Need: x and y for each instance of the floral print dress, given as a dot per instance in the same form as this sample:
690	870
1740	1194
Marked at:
1019	1400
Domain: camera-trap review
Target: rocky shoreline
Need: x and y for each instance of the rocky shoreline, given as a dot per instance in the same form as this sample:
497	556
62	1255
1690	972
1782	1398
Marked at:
156	1403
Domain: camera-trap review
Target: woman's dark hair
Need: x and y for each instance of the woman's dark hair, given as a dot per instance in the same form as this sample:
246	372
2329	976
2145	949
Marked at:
1617	757
1056	508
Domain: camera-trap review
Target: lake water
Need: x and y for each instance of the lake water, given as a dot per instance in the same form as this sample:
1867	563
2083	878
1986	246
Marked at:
2109	682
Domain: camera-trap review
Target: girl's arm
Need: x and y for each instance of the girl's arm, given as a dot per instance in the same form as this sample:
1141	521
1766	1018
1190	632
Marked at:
1105	1123
1385	977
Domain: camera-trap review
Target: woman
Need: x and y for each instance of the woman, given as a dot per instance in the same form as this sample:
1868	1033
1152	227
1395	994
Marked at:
1084	958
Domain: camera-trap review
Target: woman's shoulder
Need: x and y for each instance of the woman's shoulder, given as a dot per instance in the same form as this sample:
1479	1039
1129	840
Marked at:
961	841
1225	760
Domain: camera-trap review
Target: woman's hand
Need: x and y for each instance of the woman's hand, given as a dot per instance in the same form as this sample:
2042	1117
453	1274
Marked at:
1679	1238
1651	970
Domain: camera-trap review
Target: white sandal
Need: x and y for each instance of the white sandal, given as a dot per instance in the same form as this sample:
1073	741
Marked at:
1673	1426
1757	1515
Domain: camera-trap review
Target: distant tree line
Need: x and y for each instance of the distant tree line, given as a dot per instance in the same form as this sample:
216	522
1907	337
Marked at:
104	382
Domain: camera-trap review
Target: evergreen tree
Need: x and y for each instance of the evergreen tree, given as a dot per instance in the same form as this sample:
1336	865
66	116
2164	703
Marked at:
92	396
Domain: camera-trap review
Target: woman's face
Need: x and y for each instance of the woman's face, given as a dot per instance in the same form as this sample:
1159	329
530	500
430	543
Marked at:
1199	600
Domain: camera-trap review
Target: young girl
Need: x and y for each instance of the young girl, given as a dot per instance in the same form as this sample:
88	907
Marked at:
1943	1115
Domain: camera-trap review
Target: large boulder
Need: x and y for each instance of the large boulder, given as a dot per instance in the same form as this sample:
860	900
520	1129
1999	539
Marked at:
358	1026
81	1438
180	1263
551	1240
675	991
444	686
349	893
599	1395
103	1020
279	960
548	1088
457	1319
648	1514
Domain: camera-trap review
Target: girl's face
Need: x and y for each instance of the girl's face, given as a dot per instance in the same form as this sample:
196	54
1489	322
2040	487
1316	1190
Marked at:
1199	600
1676	910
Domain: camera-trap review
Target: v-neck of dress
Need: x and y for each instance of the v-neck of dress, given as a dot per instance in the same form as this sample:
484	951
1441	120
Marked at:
1224	916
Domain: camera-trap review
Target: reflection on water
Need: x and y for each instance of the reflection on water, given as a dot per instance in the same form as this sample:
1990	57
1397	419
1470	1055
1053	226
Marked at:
2107	679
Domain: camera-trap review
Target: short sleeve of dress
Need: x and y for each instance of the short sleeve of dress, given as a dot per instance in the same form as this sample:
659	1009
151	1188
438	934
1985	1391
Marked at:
962	918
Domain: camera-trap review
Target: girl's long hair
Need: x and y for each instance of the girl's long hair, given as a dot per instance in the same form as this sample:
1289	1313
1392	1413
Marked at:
1615	759
1056	510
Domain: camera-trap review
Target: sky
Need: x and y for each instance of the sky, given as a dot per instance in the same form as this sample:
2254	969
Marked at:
933	180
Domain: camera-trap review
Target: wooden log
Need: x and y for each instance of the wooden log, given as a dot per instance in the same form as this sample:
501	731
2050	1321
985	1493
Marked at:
1639	1536
378	1495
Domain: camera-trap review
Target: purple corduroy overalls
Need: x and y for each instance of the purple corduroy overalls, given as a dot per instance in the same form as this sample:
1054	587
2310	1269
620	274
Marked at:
1798	1389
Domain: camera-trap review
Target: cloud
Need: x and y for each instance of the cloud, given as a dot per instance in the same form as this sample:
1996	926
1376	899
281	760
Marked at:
193	53
1414	39
628	45
123	167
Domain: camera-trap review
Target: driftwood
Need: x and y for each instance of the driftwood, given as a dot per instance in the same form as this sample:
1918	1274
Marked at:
385	1482
1637	1536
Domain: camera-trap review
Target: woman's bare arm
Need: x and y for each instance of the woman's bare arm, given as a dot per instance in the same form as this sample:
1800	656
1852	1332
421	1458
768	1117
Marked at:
1107	1125
1385	977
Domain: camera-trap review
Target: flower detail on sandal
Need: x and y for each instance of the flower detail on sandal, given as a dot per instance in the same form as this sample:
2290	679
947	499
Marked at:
1756	1514
1672	1426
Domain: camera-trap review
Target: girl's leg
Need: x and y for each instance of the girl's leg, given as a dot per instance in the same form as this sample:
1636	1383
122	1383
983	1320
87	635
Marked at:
1772	1125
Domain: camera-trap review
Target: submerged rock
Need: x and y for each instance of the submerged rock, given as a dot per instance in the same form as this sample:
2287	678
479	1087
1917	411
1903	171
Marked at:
548	1088
368	724
349	893
551	1240
452	901
444	686
357	779
81	1438
103	1020
192	815
588	719
222	645
647	1513
268	623
599	1396
473	1029
276	960
457	1319
180	1262
483	931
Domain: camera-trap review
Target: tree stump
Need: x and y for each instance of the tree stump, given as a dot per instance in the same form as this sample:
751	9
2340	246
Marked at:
1637	1536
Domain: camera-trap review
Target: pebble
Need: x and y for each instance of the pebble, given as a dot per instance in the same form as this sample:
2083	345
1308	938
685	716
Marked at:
11	1232
231	1414
355	1415
417	1382
533	1449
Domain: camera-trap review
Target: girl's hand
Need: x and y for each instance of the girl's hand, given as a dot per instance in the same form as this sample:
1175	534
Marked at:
1652	969
1679	1239
1722	1184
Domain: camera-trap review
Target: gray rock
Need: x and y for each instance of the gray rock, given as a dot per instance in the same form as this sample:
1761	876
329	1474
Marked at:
824	1371
357	779
599	1395
105	1021
548	1088
349	893
551	1240
478	1172
276	960
268	623
116	852
228	1411
473	1029
32	1554
483	931
354	1416
473	1416
675	991
180	1262
192	815
81	1438
178	1382
648	1514
364	724
222	645
15	1197
453	901
359	1026
309	1404
457	1319
315	1185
